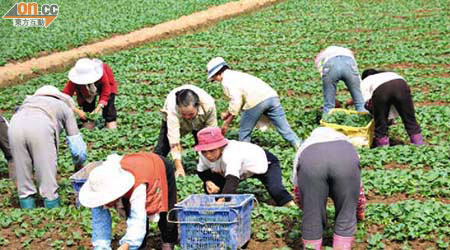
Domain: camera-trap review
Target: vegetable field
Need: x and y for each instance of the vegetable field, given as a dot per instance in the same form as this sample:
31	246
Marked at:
80	23
407	187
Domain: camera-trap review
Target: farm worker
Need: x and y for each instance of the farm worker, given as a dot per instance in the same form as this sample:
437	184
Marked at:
187	109
89	78
335	64
337	175
140	186
254	97
4	145
224	163
387	95
34	138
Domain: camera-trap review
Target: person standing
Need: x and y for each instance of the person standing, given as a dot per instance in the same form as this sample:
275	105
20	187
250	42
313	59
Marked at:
88	79
223	164
142	187
187	109
338	176
387	95
34	137
4	145
335	64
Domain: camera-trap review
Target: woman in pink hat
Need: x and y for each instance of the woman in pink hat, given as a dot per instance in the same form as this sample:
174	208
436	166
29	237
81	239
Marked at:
224	163
89	78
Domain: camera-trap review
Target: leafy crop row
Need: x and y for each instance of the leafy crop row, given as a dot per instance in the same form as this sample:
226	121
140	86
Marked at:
353	120
81	22
428	183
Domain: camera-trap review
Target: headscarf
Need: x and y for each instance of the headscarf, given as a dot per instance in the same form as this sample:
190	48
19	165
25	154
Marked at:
49	90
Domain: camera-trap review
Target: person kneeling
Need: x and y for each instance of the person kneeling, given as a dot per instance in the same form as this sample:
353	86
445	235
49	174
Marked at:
141	186
224	163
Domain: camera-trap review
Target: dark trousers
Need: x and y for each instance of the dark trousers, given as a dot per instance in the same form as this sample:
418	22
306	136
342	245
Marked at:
329	169
163	146
109	112
4	142
398	94
271	180
169	231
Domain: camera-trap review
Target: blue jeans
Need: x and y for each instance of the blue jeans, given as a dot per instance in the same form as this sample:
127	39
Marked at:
341	68
270	107
101	228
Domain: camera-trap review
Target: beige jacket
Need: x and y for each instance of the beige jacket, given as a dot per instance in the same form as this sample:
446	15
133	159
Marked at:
244	91
177	126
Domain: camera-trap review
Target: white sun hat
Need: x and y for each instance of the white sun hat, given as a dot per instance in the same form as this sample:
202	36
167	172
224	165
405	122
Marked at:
106	183
86	71
214	66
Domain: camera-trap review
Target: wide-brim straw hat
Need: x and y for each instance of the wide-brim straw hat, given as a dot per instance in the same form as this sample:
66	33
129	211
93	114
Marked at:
86	71
214	65
106	183
210	138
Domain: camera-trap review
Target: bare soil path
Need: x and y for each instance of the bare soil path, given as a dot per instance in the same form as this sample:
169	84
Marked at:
14	73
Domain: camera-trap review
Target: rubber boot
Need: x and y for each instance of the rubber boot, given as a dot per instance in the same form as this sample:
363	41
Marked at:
382	142
27	202
52	203
312	244
417	139
342	243
166	246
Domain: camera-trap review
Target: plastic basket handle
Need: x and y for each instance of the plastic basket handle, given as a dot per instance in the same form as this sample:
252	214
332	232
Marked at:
236	220
256	202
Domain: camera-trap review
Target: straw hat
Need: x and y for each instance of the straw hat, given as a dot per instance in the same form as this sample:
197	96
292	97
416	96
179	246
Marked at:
106	183
86	71
210	138
214	66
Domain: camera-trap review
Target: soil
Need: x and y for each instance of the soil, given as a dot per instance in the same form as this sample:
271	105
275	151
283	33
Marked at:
425	10
357	30
439	75
434	103
14	73
293	93
374	198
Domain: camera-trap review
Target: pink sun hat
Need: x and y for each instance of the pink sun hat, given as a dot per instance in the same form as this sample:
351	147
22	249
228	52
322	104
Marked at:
210	138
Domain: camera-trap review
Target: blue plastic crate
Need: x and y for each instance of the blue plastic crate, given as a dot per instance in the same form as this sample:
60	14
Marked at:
204	224
80	177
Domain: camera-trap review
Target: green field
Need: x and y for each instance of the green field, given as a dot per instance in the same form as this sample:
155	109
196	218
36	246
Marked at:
81	22
407	187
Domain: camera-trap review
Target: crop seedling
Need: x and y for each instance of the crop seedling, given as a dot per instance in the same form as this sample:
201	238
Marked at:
352	120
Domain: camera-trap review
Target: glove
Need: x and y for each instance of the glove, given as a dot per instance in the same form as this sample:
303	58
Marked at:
360	209
78	149
297	197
